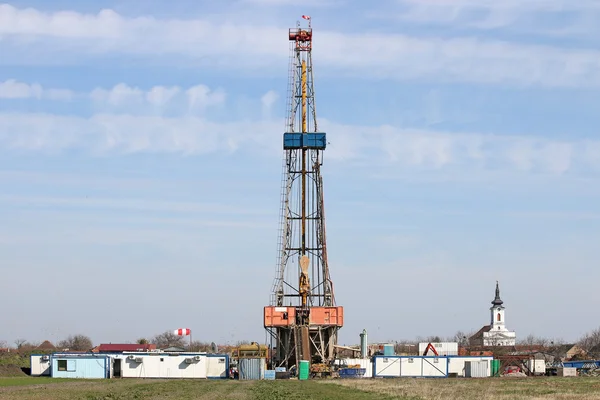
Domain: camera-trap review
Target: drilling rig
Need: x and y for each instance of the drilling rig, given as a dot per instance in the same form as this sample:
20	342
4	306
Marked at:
302	319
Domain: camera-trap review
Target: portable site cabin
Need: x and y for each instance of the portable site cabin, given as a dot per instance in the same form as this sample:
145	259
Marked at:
86	366
410	366
457	365
170	365
40	364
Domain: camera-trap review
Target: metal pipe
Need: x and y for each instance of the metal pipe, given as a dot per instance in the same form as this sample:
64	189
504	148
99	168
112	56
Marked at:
304	130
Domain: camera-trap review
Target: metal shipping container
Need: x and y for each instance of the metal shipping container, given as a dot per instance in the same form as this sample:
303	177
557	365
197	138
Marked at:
252	368
477	369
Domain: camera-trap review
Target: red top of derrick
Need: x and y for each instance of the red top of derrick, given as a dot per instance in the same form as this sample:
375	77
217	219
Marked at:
301	35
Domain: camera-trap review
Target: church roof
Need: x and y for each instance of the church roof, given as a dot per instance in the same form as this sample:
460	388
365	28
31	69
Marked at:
479	333
497	300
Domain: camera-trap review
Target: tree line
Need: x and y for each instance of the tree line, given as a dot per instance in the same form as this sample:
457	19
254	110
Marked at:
586	342
81	342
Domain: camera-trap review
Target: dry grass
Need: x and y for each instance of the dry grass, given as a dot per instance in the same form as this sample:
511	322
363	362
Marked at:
579	388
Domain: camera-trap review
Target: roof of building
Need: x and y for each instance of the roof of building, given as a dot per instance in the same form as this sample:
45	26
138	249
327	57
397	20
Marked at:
479	333
46	345
116	347
174	349
497	300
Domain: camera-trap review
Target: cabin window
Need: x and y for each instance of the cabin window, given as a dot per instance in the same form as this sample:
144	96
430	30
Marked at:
66	365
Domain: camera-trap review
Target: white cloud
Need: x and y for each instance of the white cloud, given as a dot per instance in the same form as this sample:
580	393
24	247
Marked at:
223	44
490	14
268	100
13	89
378	146
119	95
201	96
160	95
283	3
127	98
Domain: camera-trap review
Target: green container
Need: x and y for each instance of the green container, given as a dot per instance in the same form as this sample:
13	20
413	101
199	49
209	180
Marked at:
495	367
303	370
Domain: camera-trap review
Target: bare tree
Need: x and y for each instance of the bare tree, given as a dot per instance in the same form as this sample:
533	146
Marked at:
461	337
532	340
19	343
168	339
197	345
142	341
76	343
3	344
590	340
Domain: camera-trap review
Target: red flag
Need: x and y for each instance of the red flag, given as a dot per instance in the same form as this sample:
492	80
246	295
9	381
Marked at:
305	17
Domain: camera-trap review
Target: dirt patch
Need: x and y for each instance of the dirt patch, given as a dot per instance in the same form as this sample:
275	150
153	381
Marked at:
11	370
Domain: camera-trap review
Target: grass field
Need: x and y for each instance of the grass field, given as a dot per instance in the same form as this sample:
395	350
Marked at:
367	389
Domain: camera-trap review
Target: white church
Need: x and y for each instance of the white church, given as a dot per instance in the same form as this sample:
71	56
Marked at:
496	333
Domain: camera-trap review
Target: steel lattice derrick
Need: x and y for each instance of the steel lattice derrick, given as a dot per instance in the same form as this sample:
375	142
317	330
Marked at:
303	319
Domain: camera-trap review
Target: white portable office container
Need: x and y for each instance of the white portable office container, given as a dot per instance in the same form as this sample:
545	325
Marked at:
217	366
40	364
162	365
434	367
411	366
456	365
387	367
442	348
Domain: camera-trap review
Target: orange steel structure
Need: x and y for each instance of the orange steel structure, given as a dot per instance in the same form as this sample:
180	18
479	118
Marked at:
303	319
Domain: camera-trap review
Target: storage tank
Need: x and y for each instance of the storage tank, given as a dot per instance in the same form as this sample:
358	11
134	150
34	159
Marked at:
388	350
363	344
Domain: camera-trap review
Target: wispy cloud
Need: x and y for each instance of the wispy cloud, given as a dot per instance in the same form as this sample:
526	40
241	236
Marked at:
222	44
291	3
124	97
12	89
142	204
388	145
551	17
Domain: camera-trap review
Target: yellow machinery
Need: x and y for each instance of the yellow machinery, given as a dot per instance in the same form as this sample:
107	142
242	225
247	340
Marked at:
252	350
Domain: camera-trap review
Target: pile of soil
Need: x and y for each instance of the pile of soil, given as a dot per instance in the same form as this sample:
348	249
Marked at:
11	370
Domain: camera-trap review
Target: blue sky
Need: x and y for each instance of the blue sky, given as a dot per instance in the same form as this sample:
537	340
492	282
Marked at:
140	164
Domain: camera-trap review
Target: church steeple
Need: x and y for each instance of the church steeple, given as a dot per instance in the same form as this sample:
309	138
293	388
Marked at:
497	300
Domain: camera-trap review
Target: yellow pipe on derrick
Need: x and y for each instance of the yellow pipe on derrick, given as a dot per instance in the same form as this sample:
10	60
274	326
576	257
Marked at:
304	129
